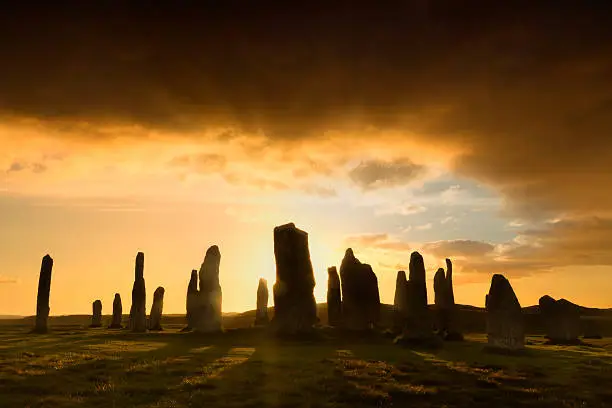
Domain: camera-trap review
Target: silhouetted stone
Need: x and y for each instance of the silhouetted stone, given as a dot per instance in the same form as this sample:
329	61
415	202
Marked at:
261	313
138	312
561	319
157	309
334	297
295	309
192	300
96	317
207	309
445	310
42	298
505	326
417	277
590	328
400	302
360	297
117	313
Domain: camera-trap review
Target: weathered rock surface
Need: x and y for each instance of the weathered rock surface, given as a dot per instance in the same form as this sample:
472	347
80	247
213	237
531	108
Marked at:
157	309
400	302
334	297
138	312
505	325
117	313
206	317
561	320
360	296
446	316
96	317
418	293
42	298
295	308
261	313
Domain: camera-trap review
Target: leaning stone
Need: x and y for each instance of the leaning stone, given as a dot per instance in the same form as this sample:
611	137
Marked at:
192	300
42	298
157	309
400	302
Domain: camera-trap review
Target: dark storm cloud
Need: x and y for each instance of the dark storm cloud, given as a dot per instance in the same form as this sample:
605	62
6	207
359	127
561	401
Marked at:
524	86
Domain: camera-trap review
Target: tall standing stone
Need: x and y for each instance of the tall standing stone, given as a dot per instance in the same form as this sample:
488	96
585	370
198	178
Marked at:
360	297
505	325
561	319
96	317
207	316
418	328
295	308
334	300
156	309
400	301
42	298
447	324
138	312
261	313
117	313
192	300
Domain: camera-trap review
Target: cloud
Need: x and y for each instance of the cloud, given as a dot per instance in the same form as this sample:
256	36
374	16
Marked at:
16	167
200	163
402	209
324	192
424	226
374	174
377	242
5	279
459	247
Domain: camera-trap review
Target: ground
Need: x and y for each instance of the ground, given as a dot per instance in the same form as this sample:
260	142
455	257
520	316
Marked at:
75	366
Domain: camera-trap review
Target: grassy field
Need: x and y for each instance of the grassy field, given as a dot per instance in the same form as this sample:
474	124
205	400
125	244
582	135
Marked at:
74	366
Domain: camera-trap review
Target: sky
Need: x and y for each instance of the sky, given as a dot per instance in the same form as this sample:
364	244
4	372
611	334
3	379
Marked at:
479	131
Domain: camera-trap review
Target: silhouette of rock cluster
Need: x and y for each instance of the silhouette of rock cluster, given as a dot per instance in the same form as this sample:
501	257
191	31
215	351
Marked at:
42	298
418	327
505	326
334	297
204	305
138	313
156	309
117	313
561	320
360	298
445	309
261	312
295	308
96	317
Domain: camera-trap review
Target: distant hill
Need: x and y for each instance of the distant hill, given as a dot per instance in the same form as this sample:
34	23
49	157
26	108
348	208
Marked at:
3	317
472	318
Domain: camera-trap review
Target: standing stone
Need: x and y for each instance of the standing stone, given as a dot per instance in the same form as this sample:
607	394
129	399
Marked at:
261	313
156	309
42	298
117	313
446	321
295	308
360	297
96	317
418	328
505	325
561	319
138	312
400	301
334	300
192	300
207	316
